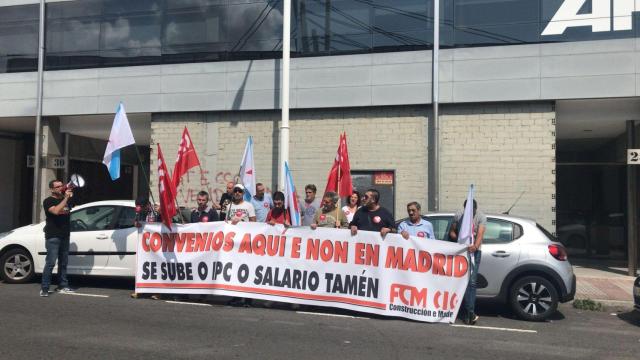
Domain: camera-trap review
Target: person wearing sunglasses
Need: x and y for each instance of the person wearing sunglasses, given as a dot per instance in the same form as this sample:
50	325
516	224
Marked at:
56	233
371	216
240	210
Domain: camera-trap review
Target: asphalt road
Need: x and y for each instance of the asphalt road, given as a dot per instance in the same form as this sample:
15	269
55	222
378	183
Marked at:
111	325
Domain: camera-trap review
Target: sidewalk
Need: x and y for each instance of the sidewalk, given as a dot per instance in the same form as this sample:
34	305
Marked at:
602	282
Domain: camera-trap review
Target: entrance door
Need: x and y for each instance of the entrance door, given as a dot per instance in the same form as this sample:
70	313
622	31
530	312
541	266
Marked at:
591	209
99	184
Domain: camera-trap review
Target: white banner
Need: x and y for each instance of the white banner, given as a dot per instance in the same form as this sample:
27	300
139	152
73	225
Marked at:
419	279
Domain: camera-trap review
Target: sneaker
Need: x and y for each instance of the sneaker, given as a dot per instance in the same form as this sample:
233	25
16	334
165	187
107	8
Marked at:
474	319
65	290
44	293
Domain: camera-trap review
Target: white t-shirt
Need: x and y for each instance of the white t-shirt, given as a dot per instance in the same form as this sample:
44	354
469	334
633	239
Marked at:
348	213
243	211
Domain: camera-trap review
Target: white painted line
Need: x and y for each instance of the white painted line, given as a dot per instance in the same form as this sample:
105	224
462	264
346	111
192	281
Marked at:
495	328
331	315
82	294
186	303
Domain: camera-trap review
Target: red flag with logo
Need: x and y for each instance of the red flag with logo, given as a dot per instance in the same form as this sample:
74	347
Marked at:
187	158
339	179
166	190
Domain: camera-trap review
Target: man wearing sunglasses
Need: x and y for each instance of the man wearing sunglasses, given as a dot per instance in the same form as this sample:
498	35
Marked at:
56	234
240	210
371	216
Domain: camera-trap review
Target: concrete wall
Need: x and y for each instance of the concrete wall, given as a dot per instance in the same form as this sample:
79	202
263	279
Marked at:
504	149
576	70
378	138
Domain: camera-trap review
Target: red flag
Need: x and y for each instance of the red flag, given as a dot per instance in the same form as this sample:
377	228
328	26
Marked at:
339	179
187	158
166	190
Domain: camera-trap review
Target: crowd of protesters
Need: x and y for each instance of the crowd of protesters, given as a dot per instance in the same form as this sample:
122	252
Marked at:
362	212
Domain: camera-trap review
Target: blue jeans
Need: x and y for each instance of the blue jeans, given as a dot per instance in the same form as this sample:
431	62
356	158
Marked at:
57	249
470	294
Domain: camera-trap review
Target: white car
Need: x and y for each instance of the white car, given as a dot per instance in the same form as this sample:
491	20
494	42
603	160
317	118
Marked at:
103	242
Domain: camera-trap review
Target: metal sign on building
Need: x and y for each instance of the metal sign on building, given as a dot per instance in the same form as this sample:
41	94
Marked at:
633	156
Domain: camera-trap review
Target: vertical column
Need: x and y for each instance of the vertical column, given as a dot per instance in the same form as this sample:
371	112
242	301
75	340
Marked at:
52	145
632	205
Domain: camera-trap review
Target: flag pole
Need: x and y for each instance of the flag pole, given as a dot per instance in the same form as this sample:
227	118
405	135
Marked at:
338	192
144	173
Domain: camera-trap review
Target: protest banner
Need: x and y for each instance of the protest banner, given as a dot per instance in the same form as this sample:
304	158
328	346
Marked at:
418	279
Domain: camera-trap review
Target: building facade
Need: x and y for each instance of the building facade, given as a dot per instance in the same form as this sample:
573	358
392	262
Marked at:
534	99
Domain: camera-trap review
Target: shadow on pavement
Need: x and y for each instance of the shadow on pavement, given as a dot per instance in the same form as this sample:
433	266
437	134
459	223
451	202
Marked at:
631	317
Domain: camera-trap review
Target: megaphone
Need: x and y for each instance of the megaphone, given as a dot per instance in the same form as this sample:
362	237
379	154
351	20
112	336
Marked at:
75	181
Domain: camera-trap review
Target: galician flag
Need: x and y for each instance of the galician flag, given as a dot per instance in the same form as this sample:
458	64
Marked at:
247	171
121	136
291	198
465	234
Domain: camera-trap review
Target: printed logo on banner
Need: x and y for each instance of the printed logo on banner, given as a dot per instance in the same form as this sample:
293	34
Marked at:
422	234
205	219
376	219
323	217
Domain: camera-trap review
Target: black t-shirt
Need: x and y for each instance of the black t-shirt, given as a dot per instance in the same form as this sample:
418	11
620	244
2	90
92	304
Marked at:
57	225
199	216
368	220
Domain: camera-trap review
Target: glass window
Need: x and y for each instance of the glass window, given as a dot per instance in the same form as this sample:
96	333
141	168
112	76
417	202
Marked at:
93	218
498	232
494	12
18	38
126	218
73	34
440	226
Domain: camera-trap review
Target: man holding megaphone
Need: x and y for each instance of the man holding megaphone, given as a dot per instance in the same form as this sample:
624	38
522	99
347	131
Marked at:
56	234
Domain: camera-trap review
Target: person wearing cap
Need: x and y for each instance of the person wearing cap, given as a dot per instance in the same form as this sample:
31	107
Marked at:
239	210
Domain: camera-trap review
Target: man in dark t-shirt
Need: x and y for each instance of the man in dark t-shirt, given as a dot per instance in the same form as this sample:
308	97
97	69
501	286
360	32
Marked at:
371	216
203	213
56	234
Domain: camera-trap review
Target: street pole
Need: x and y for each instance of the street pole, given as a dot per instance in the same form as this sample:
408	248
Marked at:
632	205
284	123
37	171
433	175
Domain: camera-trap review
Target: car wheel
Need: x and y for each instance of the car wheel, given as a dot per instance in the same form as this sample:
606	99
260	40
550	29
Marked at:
533	298
17	266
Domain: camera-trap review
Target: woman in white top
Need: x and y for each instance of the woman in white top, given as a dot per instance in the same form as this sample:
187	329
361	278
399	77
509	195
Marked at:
353	204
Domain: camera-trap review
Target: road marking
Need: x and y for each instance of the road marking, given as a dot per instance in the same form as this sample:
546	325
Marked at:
83	294
186	303
495	328
331	315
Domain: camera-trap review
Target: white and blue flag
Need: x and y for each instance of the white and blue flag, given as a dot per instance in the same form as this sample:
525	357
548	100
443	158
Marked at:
247	171
291	198
121	136
466	230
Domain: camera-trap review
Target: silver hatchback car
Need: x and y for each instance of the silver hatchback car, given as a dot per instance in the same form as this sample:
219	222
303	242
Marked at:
521	265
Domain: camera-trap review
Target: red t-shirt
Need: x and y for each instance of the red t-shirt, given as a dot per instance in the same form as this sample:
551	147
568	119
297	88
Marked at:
280	218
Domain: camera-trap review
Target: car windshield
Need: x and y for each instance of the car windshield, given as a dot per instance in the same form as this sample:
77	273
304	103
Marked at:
546	233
